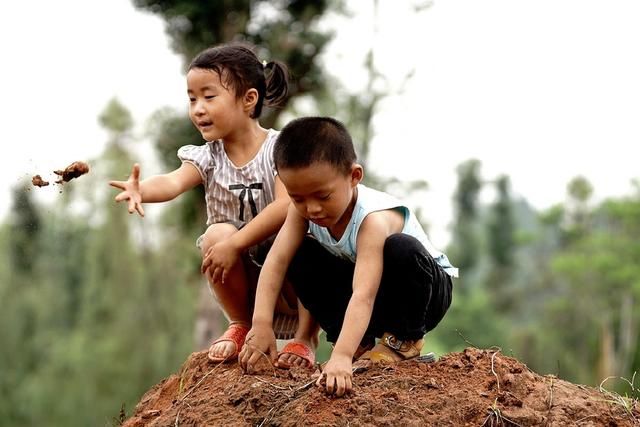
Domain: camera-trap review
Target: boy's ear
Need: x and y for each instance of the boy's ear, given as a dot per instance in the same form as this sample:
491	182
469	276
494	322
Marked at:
250	99
357	173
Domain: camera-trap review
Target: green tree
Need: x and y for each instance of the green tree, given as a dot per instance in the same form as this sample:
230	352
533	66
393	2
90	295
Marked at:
465	247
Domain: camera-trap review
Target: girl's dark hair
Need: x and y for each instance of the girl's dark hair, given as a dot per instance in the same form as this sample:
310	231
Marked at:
239	67
308	140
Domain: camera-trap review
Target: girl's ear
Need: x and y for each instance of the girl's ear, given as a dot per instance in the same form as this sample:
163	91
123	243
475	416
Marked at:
357	173
250	99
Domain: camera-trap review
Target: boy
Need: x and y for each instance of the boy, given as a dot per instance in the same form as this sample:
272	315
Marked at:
368	270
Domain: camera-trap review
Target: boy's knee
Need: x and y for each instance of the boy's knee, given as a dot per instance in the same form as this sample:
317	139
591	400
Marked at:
216	233
402	247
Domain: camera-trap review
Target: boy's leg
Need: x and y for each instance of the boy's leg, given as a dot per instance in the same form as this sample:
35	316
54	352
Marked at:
323	283
234	296
414	294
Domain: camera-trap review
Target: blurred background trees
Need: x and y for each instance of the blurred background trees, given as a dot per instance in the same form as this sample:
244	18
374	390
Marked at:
102	305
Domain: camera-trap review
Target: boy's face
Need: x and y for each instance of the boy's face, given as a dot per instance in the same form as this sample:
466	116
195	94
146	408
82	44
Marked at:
214	108
321	192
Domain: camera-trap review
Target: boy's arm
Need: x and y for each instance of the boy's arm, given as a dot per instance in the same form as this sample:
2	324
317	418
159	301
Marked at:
275	267
372	235
260	338
366	281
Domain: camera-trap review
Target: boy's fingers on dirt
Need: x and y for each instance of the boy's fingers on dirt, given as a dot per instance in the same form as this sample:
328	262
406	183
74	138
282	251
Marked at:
330	384
340	386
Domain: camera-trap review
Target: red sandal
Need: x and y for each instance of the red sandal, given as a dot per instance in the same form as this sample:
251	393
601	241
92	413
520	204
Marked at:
236	333
299	349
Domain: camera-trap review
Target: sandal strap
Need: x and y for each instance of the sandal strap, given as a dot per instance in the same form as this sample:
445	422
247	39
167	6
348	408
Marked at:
236	333
406	348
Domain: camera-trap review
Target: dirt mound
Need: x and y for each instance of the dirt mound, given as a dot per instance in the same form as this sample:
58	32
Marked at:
471	388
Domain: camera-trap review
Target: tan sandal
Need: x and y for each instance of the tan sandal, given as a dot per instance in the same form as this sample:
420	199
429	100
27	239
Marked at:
391	350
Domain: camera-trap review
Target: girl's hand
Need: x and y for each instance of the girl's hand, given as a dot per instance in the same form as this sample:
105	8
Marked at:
219	260
339	373
130	191
260	342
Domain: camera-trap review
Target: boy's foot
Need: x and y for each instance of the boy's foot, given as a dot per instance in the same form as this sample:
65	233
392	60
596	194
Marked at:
390	350
227	347
296	353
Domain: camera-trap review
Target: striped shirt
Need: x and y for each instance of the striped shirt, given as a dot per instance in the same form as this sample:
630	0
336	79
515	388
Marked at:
234	194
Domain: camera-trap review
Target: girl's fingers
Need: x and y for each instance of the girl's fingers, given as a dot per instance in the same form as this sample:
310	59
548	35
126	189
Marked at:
135	172
216	275
139	209
122	196
117	184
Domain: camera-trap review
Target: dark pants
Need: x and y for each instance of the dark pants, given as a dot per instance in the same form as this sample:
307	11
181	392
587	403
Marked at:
414	293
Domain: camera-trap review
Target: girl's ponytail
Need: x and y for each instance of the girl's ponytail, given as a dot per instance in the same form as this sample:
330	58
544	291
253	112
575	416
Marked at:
277	83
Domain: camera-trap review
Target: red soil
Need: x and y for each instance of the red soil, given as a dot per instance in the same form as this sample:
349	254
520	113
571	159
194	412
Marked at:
471	388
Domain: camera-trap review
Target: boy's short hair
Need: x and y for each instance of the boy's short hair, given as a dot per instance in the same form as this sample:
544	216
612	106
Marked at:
308	140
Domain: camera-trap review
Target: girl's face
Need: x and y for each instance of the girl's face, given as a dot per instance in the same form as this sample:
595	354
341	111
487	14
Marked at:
322	193
214	108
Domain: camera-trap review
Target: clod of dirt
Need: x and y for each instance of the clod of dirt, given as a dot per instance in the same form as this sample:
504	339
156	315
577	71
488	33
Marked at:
74	170
471	388
37	181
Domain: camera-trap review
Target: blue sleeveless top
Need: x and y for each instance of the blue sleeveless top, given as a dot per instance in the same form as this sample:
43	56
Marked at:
370	200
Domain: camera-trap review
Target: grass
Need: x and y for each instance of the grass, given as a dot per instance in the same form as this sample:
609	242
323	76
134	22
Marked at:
626	402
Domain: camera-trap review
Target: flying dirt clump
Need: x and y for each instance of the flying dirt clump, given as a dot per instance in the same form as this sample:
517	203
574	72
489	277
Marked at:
37	181
74	170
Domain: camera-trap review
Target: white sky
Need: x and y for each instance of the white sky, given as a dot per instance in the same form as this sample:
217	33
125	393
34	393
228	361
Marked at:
541	91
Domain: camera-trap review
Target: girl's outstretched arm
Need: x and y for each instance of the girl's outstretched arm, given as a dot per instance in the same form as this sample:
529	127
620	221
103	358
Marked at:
157	188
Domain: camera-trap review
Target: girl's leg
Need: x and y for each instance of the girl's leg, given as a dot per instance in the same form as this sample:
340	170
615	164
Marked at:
414	294
234	296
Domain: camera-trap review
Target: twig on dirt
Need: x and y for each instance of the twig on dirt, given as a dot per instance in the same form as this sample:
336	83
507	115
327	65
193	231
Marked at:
193	388
417	411
493	370
268	417
273	385
550	402
494	412
464	339
305	385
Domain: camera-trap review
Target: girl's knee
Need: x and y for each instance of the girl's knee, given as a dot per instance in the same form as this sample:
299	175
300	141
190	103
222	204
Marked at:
216	233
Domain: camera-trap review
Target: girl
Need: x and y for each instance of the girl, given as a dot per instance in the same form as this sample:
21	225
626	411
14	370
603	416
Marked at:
246	202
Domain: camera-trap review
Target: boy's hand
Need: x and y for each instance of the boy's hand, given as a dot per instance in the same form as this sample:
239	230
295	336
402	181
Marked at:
219	260
260	342
338	373
130	191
